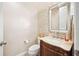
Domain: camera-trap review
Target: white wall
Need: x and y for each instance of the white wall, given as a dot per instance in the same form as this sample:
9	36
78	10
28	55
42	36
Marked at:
20	25
1	29
77	26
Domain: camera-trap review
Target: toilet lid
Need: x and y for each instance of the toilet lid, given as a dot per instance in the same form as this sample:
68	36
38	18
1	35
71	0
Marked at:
34	47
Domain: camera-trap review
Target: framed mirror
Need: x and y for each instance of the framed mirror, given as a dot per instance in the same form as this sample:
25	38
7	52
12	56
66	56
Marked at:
58	17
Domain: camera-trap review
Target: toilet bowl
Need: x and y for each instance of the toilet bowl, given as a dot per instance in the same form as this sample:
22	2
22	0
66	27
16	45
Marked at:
34	50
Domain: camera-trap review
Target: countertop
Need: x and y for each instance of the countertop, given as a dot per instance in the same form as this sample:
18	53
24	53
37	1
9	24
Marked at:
66	45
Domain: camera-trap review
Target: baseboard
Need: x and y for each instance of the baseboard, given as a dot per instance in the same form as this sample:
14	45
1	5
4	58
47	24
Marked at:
22	54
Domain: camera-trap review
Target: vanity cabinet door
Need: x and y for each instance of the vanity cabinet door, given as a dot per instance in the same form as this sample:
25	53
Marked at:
50	50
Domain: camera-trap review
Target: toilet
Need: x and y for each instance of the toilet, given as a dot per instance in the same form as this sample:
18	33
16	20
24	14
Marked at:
34	49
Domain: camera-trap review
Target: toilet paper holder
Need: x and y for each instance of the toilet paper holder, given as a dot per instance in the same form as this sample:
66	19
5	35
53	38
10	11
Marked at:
26	41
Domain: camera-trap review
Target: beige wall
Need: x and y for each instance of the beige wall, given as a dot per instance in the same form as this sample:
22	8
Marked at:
20	25
43	21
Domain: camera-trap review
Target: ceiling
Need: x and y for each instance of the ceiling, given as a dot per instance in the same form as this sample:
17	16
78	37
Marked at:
37	5
31	5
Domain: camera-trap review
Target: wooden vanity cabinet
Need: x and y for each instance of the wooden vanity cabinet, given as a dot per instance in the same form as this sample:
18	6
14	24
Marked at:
50	50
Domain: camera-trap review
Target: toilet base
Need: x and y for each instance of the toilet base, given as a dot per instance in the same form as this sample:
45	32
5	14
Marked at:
37	54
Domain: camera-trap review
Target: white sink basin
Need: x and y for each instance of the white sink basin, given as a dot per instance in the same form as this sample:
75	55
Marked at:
58	42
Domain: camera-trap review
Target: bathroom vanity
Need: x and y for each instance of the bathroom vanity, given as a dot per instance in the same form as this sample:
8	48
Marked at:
61	26
55	47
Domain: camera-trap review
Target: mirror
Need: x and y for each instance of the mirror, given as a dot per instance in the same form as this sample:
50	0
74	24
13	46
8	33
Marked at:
58	17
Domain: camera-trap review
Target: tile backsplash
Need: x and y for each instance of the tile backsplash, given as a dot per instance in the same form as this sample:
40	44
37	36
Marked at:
59	35
53	34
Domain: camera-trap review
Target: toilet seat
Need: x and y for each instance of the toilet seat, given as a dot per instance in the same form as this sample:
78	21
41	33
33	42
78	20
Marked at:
34	49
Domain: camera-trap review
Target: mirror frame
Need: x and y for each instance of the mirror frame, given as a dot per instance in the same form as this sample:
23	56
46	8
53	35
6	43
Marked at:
49	18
